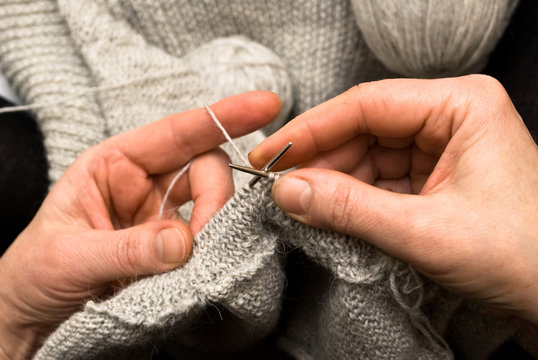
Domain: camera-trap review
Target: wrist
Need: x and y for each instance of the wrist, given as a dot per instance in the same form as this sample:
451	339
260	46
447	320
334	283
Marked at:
16	342
529	331
18	338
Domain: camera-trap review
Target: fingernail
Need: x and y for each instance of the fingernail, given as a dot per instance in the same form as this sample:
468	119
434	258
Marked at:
292	195
170	246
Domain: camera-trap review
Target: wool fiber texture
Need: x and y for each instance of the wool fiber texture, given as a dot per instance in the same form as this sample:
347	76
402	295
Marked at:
352	301
190	53
54	49
339	297
433	38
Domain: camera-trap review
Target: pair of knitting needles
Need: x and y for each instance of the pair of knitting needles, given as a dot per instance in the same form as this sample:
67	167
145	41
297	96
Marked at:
264	172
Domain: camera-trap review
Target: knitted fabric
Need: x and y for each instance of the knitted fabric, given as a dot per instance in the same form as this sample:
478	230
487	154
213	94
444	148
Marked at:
150	58
54	50
352	302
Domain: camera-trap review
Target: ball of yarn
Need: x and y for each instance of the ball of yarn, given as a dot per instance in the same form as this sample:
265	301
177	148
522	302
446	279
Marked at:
233	65
432	38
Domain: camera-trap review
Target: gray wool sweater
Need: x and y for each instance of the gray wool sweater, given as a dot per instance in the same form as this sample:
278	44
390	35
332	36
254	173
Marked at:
101	67
54	49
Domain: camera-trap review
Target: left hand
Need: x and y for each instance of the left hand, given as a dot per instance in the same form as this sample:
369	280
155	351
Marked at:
98	224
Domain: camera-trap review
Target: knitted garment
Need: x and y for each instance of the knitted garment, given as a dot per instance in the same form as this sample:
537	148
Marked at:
352	302
149	58
59	51
52	49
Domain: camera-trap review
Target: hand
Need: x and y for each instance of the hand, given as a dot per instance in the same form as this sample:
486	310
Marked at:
98	224
441	173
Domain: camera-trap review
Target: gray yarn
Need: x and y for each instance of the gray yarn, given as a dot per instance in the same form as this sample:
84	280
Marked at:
361	304
354	301
106	51
433	38
52	49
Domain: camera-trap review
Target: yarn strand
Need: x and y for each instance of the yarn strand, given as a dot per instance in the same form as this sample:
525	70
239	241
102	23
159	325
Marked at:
184	169
227	136
179	174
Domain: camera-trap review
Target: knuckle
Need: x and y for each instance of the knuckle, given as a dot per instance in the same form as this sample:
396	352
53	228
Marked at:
343	209
102	160
488	84
127	253
185	145
484	80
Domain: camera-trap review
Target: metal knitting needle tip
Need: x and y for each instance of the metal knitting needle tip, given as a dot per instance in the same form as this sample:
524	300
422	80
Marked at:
277	157
249	170
271	163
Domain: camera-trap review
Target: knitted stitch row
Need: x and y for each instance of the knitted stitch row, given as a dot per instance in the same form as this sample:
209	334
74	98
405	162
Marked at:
362	304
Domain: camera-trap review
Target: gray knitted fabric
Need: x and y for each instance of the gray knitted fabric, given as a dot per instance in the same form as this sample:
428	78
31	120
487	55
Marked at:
352	302
150	58
56	50
50	50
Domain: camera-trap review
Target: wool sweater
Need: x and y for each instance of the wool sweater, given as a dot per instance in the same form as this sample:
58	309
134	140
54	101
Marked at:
105	66
102	67
52	49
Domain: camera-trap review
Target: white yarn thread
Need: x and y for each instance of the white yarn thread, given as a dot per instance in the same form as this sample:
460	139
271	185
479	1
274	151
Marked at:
184	169
401	294
226	135
180	173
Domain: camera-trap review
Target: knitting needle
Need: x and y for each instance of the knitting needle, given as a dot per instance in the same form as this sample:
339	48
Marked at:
249	170
270	164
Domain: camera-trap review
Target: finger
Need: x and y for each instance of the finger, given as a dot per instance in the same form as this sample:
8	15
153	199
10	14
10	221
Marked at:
426	110
211	185
401	170
422	165
179	194
144	204
401	185
389	163
343	158
169	143
362	162
382	163
328	199
144	249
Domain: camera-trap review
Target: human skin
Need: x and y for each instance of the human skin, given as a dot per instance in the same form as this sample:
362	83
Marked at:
442	174
98	227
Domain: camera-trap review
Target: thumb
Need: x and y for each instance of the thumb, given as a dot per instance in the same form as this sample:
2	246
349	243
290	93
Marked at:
333	200
144	249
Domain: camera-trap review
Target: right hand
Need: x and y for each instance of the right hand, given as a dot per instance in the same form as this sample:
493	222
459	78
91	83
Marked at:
440	173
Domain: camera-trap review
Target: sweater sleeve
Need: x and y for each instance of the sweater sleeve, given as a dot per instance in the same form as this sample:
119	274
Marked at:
38	57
